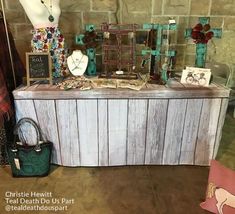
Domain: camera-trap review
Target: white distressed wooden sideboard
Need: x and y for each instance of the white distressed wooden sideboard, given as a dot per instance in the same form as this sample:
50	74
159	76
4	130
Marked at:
161	125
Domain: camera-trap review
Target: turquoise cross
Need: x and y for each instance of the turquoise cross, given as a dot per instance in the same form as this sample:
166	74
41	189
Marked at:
201	33
156	49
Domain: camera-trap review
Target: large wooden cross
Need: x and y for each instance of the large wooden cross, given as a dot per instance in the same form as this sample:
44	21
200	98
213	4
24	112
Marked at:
201	44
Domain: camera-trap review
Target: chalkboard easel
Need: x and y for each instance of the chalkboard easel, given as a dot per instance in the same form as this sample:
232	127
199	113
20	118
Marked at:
38	67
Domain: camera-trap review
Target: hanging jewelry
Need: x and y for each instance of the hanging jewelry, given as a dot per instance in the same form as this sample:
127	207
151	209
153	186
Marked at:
50	17
74	62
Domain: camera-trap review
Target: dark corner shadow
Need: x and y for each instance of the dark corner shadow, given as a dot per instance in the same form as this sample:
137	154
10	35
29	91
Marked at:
7	170
53	168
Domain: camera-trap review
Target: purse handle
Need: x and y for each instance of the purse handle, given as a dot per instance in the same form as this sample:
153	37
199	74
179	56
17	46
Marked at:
18	132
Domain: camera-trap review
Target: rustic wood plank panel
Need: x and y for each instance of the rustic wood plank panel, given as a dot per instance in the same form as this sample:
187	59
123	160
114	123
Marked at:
103	132
25	108
118	111
157	110
207	131
211	86
189	85
44	87
68	131
174	90
111	134
223	110
21	88
46	113
171	93
190	132
215	84
88	136
33	87
155	86
174	131
174	83
137	119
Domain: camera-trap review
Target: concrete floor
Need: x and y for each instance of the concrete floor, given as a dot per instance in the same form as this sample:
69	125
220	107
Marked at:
114	190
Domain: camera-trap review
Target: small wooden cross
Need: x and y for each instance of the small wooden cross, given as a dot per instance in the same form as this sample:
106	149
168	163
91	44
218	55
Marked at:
201	37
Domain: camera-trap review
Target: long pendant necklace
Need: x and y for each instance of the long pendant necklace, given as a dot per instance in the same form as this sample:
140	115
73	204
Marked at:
74	62
50	17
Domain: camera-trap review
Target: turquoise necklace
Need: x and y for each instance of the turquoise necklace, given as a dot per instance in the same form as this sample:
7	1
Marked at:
50	17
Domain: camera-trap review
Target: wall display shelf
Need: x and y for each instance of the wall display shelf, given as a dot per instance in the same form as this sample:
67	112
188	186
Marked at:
161	124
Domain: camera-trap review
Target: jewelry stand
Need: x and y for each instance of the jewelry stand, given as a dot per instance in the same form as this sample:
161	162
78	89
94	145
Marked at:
77	63
119	51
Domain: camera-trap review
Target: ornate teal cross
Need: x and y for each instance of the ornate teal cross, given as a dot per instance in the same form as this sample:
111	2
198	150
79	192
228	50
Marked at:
201	34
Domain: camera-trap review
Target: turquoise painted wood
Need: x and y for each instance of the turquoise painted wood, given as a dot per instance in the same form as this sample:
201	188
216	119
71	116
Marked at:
90	51
201	48
156	51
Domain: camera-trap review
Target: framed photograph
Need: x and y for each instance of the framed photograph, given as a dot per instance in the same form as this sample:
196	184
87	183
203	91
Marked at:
38	67
196	76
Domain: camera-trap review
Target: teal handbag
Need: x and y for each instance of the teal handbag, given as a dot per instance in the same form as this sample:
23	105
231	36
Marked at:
27	160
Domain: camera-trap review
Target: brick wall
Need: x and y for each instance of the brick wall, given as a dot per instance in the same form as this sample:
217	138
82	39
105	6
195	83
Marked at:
77	13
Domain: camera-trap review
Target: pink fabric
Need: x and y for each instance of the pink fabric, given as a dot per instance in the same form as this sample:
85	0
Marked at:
220	193
45	25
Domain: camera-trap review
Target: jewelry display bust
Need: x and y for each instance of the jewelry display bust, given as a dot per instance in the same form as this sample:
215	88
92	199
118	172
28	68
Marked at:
47	37
77	63
42	13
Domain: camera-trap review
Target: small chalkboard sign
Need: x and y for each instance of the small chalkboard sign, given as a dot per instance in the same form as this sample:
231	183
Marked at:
38	66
